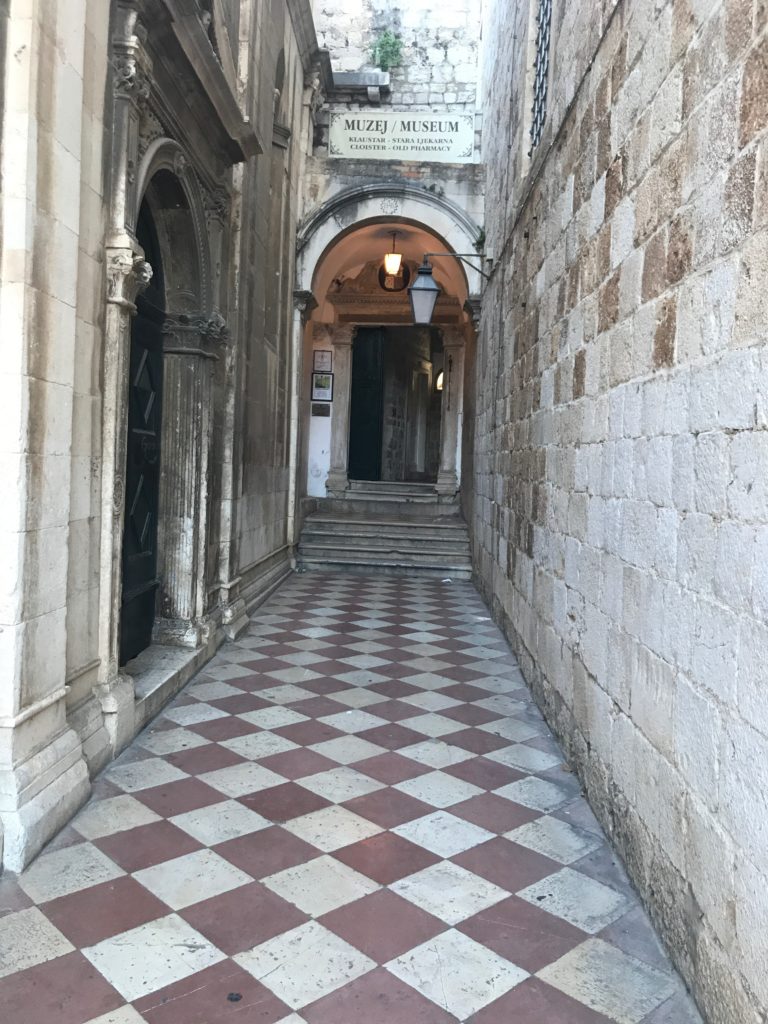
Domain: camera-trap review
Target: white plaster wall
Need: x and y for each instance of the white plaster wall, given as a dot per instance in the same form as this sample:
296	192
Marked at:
319	439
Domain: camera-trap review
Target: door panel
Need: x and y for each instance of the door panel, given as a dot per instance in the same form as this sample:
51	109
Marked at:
366	407
142	484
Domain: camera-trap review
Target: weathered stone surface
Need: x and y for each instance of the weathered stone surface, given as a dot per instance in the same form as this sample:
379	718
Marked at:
647	449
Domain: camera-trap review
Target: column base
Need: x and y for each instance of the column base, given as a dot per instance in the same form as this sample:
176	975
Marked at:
336	484
178	632
39	796
234	619
118	704
447	484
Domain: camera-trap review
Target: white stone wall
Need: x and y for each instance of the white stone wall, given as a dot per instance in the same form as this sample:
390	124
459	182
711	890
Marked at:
621	454
53	84
439	68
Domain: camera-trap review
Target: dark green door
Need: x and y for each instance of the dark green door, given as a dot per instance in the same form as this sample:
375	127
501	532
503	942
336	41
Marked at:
366	406
142	469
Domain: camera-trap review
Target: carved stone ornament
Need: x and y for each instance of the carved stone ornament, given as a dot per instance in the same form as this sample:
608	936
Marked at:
216	327
217	205
179	164
150	128
127	275
129	78
118	494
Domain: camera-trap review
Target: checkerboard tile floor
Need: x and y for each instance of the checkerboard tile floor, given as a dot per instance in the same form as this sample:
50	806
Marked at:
355	812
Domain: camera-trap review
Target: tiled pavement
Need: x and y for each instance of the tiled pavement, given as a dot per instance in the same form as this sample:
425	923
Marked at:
355	813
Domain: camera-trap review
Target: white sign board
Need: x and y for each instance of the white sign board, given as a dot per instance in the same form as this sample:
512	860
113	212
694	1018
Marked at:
403	135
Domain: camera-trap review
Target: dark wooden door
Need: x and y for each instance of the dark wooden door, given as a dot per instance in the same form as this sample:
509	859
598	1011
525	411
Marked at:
142	486
366	406
142	470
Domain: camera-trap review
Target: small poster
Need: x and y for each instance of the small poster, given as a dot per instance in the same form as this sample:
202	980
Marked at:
323	361
322	387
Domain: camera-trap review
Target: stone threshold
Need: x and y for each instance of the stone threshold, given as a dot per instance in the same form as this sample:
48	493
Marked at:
159	673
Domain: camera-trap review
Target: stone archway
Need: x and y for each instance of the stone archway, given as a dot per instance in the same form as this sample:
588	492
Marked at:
338	239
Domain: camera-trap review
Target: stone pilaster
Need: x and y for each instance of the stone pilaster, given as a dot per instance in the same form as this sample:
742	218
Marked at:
341	339
451	414
127	274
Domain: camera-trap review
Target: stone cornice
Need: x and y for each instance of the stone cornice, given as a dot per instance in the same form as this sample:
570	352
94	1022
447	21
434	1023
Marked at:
191	36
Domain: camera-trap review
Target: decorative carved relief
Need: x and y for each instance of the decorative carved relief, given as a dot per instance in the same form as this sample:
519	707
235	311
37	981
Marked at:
130	79
150	128
216	205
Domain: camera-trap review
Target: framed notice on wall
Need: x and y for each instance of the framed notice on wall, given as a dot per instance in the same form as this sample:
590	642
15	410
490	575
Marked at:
322	387
323	361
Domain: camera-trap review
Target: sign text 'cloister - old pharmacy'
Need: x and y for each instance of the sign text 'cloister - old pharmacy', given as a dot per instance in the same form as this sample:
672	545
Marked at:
388	135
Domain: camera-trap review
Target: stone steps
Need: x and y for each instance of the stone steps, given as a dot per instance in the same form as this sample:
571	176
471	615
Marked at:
398	545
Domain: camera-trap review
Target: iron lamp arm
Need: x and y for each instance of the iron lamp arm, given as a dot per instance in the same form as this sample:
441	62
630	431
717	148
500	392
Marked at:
463	256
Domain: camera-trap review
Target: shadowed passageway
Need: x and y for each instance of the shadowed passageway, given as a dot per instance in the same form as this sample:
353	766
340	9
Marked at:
354	813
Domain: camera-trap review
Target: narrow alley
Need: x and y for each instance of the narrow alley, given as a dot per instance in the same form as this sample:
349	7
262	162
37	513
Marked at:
353	813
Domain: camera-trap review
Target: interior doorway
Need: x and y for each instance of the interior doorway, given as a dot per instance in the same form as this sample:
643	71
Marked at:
142	470
395	406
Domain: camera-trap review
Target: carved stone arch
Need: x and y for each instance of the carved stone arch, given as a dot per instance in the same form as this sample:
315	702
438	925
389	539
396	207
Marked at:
353	207
166	155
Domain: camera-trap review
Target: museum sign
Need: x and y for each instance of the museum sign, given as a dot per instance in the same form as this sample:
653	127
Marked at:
403	135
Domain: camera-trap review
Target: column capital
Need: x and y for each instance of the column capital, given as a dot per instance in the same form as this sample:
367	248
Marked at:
474	306
342	335
128	273
453	338
304	302
130	63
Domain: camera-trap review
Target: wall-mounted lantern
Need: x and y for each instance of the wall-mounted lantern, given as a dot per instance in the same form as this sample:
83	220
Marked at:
425	291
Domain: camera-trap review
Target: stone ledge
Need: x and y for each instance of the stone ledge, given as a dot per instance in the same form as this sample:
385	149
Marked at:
159	673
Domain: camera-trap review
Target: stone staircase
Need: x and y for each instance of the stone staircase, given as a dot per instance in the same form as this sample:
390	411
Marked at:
399	529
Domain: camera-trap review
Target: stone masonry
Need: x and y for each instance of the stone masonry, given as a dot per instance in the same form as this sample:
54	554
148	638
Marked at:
621	451
440	56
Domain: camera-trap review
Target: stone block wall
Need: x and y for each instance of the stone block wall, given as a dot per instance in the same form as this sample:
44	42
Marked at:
439	67
621	445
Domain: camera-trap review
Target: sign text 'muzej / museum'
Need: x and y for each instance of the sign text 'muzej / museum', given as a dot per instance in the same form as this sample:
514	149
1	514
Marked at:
392	135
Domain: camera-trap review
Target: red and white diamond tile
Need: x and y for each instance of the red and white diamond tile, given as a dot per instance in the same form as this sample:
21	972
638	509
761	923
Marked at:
355	812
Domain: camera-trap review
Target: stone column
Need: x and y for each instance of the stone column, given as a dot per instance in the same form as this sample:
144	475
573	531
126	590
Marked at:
303	304
451	414
127	274
338	481
188	355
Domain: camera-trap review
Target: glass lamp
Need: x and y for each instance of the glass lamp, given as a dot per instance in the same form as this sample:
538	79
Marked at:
423	293
392	260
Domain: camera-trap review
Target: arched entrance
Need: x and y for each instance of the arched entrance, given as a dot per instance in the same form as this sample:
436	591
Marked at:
395	412
169	419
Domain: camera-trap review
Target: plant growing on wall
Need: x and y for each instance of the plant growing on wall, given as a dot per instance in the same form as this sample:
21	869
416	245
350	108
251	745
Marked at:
387	50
